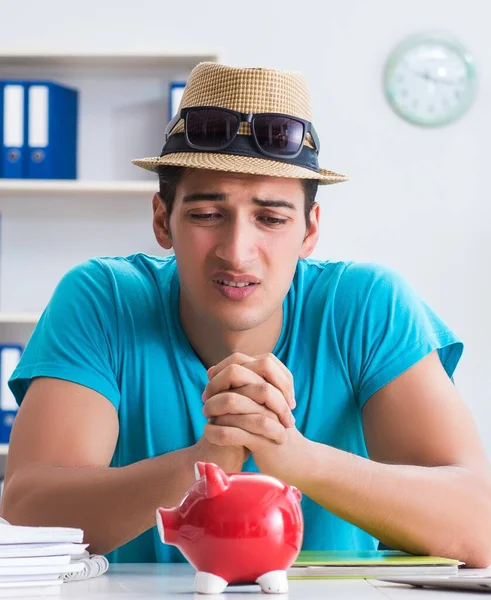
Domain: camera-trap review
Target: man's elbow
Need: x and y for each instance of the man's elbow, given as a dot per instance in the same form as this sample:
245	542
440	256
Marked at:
481	558
477	556
466	534
473	554
476	552
11	504
474	546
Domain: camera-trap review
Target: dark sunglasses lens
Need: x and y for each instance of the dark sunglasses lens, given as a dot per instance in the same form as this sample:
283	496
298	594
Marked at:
210	129
279	135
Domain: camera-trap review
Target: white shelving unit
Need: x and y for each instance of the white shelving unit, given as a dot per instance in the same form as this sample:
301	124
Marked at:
15	328
19	318
49	226
19	187
123	103
104	60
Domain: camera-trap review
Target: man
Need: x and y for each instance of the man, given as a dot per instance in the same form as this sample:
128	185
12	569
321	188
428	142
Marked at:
240	350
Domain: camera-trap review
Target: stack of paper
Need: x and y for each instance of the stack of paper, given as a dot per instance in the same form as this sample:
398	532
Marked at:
368	564
37	560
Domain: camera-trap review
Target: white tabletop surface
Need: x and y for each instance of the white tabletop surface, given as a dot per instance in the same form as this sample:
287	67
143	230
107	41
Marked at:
166	581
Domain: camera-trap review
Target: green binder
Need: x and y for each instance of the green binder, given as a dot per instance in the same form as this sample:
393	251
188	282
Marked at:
312	564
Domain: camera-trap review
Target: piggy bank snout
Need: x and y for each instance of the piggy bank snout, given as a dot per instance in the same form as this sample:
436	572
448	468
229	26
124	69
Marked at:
167	524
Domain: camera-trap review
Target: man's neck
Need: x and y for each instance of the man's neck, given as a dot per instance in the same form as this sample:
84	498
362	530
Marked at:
213	345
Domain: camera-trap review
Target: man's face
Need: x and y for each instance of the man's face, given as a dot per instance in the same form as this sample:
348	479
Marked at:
231	229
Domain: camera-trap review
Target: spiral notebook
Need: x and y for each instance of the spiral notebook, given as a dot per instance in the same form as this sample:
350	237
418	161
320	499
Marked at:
40	550
20	534
43	558
368	564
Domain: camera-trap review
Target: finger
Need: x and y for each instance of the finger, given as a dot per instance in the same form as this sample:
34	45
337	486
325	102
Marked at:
270	368
256	424
222	435
276	360
233	403
271	397
235	358
265	369
232	376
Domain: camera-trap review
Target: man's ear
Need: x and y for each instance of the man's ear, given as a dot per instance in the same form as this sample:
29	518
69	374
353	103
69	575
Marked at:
312	234
161	224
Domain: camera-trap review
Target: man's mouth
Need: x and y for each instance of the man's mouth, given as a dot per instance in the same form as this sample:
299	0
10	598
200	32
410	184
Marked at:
238	287
234	283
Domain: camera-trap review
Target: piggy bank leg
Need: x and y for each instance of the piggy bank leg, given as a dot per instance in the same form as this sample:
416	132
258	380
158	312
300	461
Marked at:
207	583
274	582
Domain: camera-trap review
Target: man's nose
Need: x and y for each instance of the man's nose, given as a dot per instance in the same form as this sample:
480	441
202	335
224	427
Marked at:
238	244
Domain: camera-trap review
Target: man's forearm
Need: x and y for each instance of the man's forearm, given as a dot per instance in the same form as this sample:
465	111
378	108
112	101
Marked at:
444	511
112	505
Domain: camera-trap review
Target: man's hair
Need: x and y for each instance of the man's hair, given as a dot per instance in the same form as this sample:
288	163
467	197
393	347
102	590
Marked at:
169	177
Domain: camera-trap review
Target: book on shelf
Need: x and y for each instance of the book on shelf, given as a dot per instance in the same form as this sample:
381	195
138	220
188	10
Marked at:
9	357
40	126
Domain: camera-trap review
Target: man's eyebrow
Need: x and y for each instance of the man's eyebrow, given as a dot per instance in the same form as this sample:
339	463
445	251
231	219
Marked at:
220	197
198	196
274	203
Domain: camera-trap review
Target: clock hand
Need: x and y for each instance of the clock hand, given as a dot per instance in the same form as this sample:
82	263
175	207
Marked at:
428	77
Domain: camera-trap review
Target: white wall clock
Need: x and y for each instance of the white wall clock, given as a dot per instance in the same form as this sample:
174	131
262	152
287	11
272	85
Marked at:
430	79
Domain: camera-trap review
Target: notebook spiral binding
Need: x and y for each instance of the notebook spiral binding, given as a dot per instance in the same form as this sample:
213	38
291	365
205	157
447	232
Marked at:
94	566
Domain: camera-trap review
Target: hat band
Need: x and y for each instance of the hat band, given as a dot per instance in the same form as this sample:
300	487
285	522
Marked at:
243	145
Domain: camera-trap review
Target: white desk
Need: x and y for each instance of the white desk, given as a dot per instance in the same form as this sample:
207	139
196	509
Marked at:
166	581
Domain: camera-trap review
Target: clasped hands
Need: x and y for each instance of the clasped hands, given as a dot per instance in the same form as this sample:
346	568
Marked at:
248	402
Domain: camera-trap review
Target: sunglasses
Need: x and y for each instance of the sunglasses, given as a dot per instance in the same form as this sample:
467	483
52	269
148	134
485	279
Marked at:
276	135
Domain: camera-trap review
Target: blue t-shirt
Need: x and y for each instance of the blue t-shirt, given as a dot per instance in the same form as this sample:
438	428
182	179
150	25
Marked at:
348	329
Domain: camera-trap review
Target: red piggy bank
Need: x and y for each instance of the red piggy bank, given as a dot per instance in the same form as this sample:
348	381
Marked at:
236	528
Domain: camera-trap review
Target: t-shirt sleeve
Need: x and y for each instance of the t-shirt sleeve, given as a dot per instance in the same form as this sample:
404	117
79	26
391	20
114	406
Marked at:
76	336
385	327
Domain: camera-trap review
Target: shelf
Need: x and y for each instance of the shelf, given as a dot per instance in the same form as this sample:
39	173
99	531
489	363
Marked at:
102	60
123	108
47	186
49	226
29	318
4	448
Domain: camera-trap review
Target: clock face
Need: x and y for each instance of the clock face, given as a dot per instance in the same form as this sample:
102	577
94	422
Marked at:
430	80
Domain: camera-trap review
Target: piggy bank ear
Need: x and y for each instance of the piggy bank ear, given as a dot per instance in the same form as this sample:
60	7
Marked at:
216	480
199	470
296	492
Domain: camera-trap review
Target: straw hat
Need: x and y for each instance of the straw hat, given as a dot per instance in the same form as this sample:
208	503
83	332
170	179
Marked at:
254	90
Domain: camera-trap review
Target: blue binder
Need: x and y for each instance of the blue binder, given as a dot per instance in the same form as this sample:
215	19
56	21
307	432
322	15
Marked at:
13	115
9	357
51	131
176	90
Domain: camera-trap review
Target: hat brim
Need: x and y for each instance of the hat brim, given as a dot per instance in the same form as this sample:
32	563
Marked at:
238	164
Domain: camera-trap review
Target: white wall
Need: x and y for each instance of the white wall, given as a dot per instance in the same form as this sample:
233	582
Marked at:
418	199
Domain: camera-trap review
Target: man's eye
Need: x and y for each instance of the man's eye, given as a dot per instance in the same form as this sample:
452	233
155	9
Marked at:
205	216
273	220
